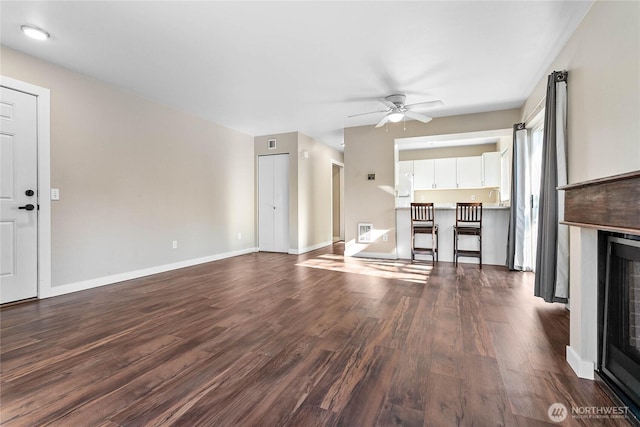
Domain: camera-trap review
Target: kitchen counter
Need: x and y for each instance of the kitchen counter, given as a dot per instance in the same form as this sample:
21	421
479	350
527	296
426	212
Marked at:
495	224
453	207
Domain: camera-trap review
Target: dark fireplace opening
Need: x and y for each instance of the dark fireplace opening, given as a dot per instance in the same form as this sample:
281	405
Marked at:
619	315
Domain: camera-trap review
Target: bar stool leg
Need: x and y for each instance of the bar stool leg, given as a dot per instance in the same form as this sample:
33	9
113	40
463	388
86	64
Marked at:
413	245
480	237
455	246
436	246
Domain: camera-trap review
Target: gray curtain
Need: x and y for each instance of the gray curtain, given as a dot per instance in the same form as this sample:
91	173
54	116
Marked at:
515	236
552	259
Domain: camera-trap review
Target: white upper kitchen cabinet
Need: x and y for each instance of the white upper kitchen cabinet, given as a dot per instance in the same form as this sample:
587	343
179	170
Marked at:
469	172
444	172
491	169
423	171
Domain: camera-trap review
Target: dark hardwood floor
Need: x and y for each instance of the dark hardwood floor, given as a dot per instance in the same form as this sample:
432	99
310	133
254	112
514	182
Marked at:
282	340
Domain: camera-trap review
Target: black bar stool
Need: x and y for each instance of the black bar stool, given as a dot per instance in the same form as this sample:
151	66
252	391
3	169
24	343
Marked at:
423	222
468	223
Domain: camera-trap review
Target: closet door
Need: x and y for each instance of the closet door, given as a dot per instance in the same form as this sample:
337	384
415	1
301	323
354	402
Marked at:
273	203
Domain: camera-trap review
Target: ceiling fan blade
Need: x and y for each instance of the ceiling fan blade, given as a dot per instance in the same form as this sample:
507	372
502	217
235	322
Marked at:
425	104
417	116
371	112
384	120
388	103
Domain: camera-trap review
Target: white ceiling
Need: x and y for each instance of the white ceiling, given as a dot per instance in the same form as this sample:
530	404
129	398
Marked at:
270	67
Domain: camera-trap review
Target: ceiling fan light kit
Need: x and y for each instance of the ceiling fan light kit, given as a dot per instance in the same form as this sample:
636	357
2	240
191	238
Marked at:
395	116
398	110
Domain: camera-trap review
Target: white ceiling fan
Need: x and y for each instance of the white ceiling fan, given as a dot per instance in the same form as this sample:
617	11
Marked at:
397	110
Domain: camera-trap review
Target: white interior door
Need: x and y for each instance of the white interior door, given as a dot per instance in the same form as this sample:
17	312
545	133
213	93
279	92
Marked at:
273	203
18	196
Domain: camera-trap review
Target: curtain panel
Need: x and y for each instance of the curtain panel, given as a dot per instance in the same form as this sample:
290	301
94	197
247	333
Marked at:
552	259
518	213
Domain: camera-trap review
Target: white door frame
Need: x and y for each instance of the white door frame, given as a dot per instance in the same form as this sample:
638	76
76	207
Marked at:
341	166
44	178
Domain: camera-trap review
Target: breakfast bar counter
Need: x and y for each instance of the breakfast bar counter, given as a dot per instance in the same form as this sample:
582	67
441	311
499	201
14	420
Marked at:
495	224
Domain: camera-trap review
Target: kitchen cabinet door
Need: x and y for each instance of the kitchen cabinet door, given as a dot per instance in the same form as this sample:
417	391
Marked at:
444	172
491	169
423	174
469	172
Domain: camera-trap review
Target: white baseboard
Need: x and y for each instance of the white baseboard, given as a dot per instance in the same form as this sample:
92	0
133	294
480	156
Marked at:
309	248
109	280
582	368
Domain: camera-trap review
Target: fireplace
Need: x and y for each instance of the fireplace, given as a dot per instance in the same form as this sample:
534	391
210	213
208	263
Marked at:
606	212
619	309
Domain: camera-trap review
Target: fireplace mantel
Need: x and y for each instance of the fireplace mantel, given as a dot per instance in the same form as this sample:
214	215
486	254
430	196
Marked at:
610	204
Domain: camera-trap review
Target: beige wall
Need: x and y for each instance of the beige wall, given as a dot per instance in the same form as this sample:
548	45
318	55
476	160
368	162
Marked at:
134	176
336	202
603	61
447	152
316	180
371	150
310	211
603	92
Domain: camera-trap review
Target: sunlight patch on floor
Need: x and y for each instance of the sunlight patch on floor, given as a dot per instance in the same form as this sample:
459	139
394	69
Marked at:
388	269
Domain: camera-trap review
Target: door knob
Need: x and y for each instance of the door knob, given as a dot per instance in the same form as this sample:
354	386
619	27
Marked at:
28	207
29	193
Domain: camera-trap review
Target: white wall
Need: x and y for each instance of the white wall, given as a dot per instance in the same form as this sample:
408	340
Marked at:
133	176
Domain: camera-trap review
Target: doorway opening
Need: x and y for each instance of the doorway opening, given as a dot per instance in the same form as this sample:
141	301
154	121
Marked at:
337	201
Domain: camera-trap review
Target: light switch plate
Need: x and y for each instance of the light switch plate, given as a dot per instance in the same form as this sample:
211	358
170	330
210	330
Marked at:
55	194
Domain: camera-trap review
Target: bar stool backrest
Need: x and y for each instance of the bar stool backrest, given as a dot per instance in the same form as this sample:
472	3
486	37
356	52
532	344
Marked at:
422	213
469	214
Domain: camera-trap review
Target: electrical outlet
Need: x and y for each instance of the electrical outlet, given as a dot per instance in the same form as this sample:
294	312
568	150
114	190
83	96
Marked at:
174	244
473	197
385	237
422	198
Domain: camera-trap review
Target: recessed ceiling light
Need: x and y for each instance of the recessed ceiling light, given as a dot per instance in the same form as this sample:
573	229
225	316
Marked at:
35	32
